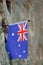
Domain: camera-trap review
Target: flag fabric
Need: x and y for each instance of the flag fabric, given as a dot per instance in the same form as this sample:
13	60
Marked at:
17	40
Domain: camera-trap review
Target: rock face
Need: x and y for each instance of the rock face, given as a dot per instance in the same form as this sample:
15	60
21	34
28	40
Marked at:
3	54
24	10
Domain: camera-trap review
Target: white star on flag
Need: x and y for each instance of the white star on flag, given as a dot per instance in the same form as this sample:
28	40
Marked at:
12	34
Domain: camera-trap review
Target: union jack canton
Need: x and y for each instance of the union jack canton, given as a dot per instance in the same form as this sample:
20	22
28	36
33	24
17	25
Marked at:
17	40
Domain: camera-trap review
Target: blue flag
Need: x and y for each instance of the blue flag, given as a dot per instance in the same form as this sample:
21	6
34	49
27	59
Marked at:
17	40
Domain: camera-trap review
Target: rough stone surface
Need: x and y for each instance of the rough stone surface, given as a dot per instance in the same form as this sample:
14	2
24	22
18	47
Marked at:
24	10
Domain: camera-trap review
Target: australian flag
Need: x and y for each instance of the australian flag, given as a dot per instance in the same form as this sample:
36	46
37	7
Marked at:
17	40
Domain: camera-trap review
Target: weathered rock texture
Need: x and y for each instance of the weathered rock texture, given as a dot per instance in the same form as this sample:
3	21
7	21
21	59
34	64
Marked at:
24	10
